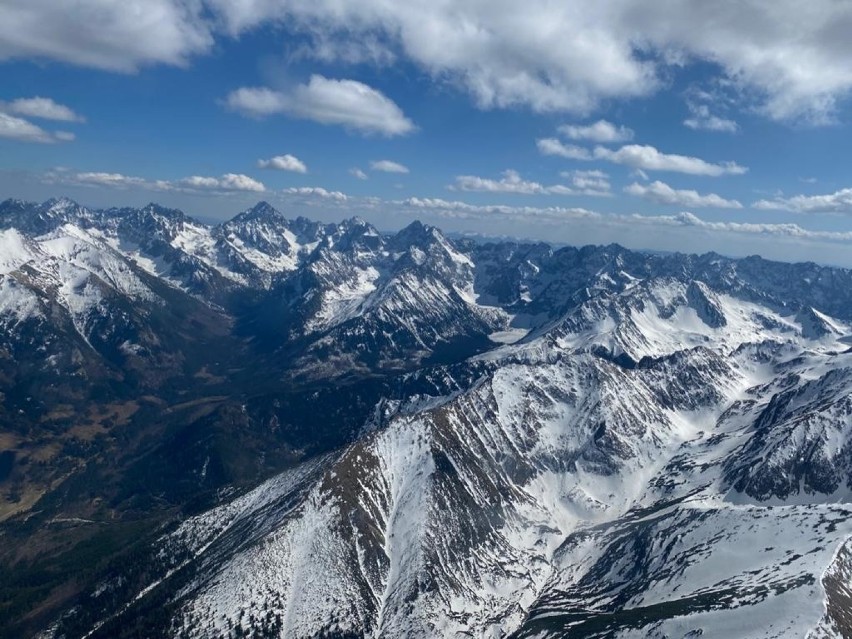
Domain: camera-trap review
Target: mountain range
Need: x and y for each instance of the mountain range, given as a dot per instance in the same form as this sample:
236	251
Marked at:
275	427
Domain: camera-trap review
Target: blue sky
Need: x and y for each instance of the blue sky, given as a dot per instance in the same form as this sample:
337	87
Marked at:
673	125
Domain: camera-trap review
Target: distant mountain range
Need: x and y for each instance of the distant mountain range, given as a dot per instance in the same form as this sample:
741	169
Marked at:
274	427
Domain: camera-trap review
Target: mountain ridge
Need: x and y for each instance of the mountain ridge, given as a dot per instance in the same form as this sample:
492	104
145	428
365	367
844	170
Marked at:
323	430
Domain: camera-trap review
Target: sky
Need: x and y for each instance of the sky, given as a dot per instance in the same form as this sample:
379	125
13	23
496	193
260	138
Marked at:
657	124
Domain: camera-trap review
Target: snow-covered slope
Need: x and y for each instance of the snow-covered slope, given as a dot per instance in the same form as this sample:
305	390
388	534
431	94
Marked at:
664	450
698	487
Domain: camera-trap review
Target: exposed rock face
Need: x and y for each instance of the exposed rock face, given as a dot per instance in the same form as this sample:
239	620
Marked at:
664	450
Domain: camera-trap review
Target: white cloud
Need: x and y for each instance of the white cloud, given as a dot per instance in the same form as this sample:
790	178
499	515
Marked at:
548	56
349	103
358	173
19	129
551	223
837	202
571	55
702	118
512	182
589	180
625	222
43	108
773	230
662	193
601	131
230	182
648	158
258	101
285	162
456	209
116	180
552	146
388	166
106	34
227	183
640	158
316	191
16	128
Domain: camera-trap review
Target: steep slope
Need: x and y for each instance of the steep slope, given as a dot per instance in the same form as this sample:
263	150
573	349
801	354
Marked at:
276	427
363	302
564	493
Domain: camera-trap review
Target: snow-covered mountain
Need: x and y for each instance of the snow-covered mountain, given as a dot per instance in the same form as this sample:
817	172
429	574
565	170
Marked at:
475	440
703	490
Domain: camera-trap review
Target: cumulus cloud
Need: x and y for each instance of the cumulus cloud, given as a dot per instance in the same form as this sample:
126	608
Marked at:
601	131
348	103
388	166
702	118
565	56
662	193
43	108
512	182
106	34
358	173
15	128
837	202
227	182
285	162
569	56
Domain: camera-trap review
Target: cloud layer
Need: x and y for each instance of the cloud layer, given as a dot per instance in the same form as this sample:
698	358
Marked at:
227	183
837	202
559	215
566	56
105	34
583	183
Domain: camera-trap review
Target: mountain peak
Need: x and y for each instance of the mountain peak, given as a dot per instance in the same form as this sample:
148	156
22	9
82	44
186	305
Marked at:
59	202
61	206
152	208
417	233
263	208
260	211
355	220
